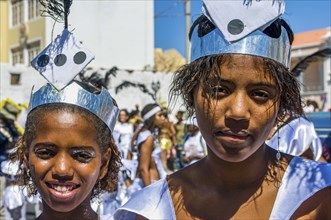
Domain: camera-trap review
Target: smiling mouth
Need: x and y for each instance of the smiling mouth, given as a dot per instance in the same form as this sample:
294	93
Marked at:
62	188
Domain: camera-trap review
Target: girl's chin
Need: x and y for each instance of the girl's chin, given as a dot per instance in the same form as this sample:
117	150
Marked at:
234	155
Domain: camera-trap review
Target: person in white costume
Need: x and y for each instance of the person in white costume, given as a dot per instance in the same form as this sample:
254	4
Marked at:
14	200
150	168
194	145
123	131
238	85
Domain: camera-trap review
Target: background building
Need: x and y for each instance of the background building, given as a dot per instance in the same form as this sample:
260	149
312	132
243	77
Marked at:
316	79
118	32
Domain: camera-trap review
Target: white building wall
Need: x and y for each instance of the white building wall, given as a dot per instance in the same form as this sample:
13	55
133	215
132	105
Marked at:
130	96
118	32
126	98
19	93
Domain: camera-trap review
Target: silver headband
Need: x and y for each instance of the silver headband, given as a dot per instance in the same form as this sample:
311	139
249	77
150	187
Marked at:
257	43
152	112
101	104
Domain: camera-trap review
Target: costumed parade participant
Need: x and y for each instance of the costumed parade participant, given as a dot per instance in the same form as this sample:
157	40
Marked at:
150	168
167	140
9	130
238	85
123	131
180	133
67	152
194	145
14	200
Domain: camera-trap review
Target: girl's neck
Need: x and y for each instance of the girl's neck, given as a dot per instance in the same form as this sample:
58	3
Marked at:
81	212
234	175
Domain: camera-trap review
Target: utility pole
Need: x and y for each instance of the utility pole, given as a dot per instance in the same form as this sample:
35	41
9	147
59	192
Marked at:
187	29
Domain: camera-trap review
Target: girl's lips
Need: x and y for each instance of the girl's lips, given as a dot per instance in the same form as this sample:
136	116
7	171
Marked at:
62	191
231	136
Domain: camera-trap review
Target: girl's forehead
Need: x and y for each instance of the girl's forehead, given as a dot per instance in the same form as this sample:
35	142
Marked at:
234	61
248	68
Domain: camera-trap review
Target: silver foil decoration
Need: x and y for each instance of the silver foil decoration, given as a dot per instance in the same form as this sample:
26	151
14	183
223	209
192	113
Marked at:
257	43
101	104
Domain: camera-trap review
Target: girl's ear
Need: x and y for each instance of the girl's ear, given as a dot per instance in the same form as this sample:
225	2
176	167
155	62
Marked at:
105	159
25	153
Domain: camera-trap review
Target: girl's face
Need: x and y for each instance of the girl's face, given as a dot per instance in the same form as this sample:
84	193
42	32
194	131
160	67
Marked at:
159	119
123	117
65	160
240	116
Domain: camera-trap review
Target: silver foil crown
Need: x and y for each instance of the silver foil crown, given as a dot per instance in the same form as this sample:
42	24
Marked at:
101	104
257	43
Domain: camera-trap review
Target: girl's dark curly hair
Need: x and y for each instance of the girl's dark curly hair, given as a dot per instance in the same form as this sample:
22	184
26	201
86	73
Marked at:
189	76
104	139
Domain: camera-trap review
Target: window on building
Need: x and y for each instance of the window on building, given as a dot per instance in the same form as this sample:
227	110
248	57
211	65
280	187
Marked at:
15	79
17	12
312	78
33	50
33	9
17	56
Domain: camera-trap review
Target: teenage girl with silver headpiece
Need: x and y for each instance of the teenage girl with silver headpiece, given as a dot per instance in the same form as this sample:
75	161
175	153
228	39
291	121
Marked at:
238	85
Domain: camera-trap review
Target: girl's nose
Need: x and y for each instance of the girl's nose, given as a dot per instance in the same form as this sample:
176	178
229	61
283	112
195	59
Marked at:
62	169
238	107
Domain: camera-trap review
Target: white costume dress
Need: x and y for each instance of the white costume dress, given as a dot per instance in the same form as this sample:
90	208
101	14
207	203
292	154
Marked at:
302	179
296	137
123	133
195	145
14	199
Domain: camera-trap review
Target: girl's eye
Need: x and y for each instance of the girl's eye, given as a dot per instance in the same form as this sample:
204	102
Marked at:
83	157
219	91
261	95
45	154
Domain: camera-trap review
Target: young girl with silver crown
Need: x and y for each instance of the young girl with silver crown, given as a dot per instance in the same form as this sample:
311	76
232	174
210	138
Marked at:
67	153
238	85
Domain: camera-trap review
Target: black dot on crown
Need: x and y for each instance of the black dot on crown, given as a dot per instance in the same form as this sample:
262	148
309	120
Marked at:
80	57
60	60
235	26
43	60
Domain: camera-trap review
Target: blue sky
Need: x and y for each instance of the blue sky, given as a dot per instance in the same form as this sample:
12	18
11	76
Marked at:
302	15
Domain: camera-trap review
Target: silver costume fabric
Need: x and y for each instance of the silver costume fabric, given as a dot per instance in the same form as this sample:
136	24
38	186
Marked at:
302	179
296	137
101	104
